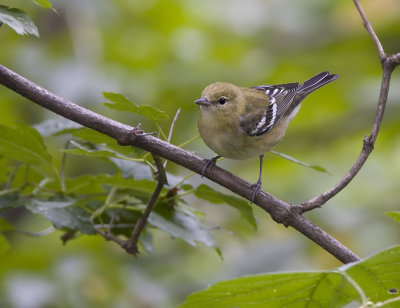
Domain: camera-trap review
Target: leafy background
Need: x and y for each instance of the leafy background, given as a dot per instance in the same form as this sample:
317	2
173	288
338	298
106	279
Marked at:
163	53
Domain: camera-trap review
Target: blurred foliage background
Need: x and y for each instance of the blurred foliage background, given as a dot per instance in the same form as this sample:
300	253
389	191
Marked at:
163	53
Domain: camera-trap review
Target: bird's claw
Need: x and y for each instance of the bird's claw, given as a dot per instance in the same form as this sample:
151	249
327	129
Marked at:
209	163
257	189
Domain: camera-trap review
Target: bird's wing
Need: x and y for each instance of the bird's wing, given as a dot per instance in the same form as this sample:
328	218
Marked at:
280	98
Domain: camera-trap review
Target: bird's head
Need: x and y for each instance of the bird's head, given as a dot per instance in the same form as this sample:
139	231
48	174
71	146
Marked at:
219	96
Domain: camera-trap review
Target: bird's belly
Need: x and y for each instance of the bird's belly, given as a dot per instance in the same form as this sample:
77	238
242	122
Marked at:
232	142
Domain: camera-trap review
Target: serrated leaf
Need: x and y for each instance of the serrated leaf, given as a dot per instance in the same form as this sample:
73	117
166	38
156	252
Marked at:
5	225
395	215
46	4
181	224
62	214
4	245
299	162
375	279
121	103
23	143
18	20
207	193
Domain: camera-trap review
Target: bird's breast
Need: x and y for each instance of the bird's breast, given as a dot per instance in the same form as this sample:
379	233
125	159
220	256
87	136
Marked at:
225	137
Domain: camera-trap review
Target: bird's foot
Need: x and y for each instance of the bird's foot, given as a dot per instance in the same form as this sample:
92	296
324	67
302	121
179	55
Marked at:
257	189
209	163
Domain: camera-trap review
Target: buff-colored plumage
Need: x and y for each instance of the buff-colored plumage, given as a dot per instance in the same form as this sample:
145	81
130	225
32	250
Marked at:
219	125
240	123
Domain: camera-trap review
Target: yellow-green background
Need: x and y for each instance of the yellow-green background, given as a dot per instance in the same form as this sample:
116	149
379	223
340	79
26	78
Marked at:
163	53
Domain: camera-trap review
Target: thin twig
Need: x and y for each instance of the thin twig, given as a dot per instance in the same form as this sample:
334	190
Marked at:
110	236
368	26
36	234
131	245
12	175
62	167
170	132
368	142
368	146
114	226
113	217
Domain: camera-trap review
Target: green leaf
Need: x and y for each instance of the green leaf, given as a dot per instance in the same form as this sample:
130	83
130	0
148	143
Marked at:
180	223
121	103
4	245
95	137
375	279
100	153
9	199
5	225
299	162
56	126
18	20
378	274
44	4
62	214
208	194
319	289
80	150
23	143
129	169
395	215
89	184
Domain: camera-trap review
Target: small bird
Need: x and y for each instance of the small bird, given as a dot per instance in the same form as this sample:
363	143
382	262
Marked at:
241	123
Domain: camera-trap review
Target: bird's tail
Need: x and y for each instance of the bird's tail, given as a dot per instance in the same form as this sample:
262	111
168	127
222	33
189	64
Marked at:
316	82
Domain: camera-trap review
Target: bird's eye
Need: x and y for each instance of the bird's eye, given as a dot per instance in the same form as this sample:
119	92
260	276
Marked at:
222	100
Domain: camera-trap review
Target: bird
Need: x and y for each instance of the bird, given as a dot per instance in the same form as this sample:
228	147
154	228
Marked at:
241	122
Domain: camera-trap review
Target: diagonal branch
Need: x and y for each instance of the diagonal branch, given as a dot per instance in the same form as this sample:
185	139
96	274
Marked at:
388	65
131	245
368	26
279	210
171	130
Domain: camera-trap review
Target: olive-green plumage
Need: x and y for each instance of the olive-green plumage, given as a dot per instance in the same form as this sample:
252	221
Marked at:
220	128
240	123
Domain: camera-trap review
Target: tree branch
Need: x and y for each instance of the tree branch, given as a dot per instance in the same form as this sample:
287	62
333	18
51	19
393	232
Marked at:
368	26
131	245
388	65
279	210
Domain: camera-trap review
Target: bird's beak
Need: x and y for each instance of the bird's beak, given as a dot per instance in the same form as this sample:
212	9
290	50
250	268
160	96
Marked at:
202	101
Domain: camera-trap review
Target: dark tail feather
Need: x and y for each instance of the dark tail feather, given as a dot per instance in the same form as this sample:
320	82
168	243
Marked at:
316	82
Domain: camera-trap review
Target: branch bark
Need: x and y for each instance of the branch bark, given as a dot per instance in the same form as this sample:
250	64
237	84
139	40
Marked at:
131	245
280	211
388	65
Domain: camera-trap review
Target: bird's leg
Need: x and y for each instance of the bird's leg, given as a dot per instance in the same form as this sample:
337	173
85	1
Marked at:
257	186
209	163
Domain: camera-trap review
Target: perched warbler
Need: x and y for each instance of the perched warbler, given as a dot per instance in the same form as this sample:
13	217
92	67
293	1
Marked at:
241	123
